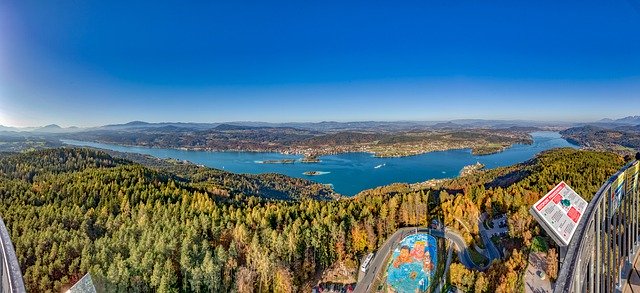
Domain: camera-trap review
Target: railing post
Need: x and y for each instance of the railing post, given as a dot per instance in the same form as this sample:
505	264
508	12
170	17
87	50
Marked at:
10	271
590	267
598	251
619	245
601	253
611	246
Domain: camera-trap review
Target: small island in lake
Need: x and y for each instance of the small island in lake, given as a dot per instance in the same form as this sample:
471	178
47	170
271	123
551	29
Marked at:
315	173
310	159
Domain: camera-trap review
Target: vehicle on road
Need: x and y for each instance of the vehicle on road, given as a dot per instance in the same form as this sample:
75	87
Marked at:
366	262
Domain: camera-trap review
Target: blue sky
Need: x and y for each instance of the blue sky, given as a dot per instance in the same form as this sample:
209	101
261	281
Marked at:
90	63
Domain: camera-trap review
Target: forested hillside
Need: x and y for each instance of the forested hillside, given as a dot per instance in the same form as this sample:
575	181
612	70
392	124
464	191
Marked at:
182	228
621	139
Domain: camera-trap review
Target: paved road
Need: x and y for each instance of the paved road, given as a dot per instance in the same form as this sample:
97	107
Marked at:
446	268
463	249
378	261
494	253
379	258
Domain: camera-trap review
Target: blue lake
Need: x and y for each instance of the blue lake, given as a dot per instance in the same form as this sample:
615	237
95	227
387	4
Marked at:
353	172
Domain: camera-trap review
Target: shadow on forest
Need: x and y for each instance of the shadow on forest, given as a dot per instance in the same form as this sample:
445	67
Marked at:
508	179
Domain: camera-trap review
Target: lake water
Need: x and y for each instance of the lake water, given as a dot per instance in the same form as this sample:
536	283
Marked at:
353	172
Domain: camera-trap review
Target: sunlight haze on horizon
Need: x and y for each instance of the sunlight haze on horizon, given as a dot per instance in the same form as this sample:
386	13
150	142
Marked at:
89	63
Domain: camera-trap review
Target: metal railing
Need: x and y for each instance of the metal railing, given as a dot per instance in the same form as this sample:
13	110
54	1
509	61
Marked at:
600	256
10	271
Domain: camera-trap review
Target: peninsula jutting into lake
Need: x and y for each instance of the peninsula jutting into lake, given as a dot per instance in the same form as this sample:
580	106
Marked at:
313	140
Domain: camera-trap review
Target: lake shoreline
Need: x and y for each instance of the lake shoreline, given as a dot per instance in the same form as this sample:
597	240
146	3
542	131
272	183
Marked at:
351	172
303	159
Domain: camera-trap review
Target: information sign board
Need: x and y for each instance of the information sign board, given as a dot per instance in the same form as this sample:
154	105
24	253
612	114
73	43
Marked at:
559	212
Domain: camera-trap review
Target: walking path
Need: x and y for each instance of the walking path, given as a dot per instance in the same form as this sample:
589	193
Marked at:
532	281
633	285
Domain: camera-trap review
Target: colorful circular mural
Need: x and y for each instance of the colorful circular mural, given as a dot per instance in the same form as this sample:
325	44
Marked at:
412	264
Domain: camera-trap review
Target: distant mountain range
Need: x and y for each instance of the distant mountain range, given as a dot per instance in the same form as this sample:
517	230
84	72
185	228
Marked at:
619	135
629	120
51	128
5	128
142	124
328	125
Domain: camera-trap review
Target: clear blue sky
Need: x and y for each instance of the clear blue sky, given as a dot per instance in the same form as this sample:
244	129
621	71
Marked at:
90	63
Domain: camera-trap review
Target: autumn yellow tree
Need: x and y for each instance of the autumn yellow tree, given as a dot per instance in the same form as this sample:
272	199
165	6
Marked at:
461	277
552	264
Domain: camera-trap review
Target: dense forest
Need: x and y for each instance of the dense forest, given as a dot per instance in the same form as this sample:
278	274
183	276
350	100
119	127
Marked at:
177	227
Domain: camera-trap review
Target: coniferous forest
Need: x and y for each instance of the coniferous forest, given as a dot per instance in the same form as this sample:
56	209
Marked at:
177	227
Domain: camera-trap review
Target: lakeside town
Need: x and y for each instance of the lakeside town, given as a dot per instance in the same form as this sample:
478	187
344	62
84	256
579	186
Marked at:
380	142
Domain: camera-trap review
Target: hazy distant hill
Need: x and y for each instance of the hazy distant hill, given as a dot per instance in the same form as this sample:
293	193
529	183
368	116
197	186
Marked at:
334	126
447	125
629	120
51	128
143	125
226	127
408	125
502	124
7	128
131	124
324	126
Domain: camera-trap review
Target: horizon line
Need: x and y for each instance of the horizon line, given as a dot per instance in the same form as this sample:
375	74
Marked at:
313	122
